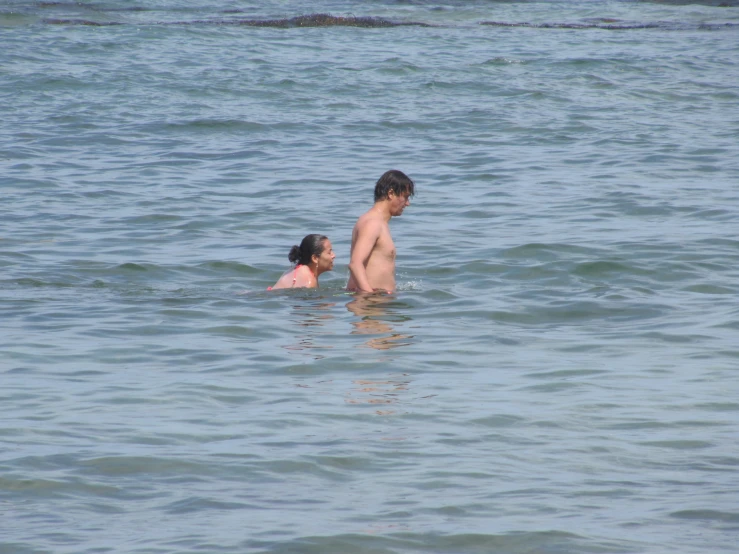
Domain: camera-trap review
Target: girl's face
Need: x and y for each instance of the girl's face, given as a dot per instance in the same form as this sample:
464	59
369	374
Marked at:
326	260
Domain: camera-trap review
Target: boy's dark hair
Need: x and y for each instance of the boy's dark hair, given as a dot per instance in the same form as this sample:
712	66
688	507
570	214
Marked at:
395	181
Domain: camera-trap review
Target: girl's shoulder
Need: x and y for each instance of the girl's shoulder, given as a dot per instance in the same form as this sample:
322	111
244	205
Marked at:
304	277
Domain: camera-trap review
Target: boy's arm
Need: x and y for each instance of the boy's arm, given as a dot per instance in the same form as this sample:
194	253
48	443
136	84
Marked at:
367	236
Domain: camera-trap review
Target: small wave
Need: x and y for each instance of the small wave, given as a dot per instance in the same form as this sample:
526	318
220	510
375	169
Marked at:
609	26
130	266
367	539
601	268
615	25
499	420
91	7
136	465
80	22
47	488
503	61
707	515
200	504
236	268
222	124
679	444
409	285
535	248
38	283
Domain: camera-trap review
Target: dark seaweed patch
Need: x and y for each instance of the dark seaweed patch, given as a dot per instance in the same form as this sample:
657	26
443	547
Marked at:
325	20
80	22
313	20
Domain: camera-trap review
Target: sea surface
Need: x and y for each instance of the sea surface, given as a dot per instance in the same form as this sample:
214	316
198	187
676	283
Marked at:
558	372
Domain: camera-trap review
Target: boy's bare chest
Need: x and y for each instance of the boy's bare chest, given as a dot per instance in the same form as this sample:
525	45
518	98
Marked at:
385	246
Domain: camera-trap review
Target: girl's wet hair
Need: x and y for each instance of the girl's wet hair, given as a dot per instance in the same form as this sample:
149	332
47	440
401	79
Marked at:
395	181
311	244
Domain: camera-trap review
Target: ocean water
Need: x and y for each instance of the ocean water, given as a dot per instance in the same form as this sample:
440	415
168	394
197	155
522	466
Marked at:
558	371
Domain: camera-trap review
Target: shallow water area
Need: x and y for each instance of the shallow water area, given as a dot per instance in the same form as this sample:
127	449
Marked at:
557	371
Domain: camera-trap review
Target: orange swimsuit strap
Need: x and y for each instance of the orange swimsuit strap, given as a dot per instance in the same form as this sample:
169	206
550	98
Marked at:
295	275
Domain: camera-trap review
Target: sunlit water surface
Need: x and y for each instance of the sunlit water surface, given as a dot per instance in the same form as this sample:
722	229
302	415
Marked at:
558	372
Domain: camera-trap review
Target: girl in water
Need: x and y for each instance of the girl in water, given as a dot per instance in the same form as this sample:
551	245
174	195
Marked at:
314	256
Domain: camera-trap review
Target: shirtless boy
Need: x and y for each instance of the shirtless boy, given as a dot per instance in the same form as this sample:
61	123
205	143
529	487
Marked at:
372	263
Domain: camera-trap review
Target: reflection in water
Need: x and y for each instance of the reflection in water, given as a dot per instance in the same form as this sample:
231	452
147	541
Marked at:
375	315
311	315
385	392
375	320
